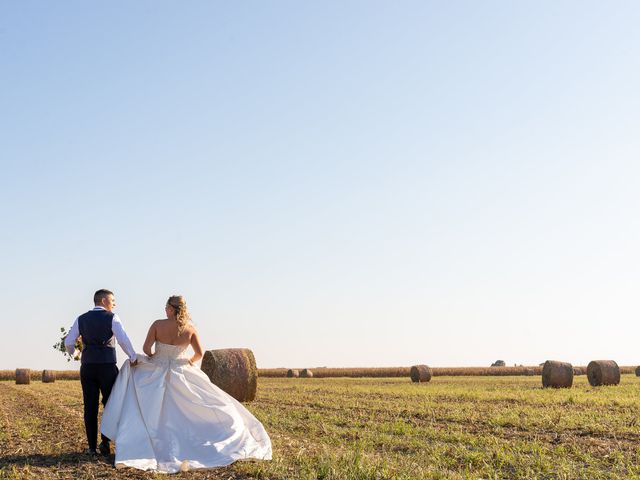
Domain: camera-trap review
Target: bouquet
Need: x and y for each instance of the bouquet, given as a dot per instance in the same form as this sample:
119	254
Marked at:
59	346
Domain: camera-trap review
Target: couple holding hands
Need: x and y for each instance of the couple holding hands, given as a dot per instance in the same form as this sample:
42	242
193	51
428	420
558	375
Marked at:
161	411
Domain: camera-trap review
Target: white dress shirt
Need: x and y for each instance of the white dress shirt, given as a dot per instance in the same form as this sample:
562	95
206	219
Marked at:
118	332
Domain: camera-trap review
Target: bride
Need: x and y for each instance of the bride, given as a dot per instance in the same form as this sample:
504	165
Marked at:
165	415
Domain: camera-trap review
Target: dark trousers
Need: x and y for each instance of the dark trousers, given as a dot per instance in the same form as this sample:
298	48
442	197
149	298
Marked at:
95	378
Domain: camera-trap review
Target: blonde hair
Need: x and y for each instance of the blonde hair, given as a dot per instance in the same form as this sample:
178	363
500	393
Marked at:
182	314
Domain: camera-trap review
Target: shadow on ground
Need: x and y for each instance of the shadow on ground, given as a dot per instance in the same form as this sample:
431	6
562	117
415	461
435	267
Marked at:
62	459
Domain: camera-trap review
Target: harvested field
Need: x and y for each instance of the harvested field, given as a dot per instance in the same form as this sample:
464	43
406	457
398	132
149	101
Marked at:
383	428
386	372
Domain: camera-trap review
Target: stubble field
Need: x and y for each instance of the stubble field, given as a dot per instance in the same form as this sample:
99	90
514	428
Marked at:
370	428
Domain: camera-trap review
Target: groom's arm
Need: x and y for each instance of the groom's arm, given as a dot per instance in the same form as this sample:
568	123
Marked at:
70	339
122	338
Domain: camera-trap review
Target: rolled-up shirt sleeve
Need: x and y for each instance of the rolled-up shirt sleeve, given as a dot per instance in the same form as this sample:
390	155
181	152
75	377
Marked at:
70	339
122	338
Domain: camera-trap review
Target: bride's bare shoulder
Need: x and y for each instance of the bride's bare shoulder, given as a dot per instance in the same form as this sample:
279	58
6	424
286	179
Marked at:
191	328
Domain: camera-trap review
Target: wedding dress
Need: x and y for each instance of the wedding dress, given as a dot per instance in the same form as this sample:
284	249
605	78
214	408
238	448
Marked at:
165	415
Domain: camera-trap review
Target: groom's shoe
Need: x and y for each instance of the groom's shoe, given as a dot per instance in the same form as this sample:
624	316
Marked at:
105	448
91	451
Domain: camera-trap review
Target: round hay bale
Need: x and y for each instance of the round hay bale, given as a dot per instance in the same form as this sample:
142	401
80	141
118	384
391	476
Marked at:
233	370
292	373
306	373
48	376
603	372
23	376
637	371
557	374
420	373
579	370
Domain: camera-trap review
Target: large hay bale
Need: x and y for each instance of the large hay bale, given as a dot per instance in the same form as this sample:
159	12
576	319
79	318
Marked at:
233	370
293	373
557	374
603	372
306	373
48	376
23	376
420	373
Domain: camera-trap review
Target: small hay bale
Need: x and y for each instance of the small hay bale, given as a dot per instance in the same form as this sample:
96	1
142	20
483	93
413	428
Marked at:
420	373
603	372
48	376
557	374
233	370
293	373
23	376
637	371
306	373
579	370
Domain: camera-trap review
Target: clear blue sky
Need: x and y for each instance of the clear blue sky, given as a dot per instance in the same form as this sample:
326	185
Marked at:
328	183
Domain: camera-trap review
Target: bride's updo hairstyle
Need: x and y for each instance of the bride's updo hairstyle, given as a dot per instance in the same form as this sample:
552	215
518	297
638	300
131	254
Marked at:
182	314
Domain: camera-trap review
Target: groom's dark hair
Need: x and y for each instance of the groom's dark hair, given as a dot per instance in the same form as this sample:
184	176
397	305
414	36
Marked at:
100	294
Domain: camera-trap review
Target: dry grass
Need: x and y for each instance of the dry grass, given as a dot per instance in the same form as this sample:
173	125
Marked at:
454	428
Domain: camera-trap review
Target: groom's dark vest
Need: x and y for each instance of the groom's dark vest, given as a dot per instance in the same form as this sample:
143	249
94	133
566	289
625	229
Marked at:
99	344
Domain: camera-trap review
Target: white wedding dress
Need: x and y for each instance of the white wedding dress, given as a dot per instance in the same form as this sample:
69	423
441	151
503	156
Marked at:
165	415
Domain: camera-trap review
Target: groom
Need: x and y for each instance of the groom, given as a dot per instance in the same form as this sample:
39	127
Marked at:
98	370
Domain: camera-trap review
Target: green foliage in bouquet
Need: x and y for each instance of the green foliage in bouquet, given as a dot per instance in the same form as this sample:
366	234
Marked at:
59	346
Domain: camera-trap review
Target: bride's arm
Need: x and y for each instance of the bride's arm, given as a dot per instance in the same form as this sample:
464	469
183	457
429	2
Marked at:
151	337
197	348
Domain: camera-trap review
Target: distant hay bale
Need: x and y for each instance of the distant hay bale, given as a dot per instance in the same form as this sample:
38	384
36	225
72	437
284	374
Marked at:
420	373
293	373
306	373
557	374
23	376
637	371
233	370
579	370
48	376
603	372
